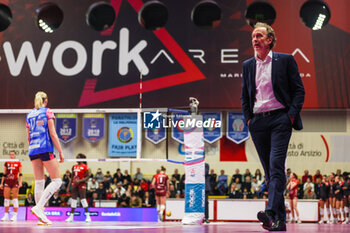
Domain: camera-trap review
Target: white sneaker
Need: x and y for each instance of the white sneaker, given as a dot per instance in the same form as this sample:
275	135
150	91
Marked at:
39	213
14	218
70	218
321	221
88	219
299	221
40	223
5	218
328	221
47	221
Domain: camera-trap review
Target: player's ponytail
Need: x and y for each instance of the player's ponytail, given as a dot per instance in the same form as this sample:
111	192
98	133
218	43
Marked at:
162	168
295	175
39	99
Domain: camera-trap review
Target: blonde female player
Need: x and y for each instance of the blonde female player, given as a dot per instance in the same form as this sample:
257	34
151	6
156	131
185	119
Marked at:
293	196
11	183
42	138
80	176
160	183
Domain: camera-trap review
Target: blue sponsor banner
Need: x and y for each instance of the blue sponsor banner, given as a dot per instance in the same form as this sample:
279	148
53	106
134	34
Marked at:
194	198
177	133
237	129
181	149
122	135
212	133
156	135
66	126
93	126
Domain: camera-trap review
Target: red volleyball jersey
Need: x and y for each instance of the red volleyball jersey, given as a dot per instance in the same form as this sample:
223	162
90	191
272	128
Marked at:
12	169
294	191
161	181
79	170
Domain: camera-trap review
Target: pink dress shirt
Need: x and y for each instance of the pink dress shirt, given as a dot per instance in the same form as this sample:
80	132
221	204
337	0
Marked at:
265	98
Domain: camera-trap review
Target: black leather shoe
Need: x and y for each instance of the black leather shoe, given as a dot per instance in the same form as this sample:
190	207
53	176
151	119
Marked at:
205	220
266	217
279	225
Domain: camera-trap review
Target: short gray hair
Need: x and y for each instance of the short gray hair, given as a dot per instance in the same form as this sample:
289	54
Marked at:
270	32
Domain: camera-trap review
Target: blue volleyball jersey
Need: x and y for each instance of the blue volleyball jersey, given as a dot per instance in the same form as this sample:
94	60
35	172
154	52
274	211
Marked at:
40	140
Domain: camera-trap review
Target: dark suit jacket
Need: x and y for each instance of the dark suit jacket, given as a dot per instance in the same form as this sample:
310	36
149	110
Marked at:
286	82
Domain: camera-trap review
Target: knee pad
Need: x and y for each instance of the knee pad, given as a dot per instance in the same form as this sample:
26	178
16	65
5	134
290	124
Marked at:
321	211
328	211
57	182
15	203
84	203
39	184
74	203
162	208
7	202
341	210
346	209
53	187
39	187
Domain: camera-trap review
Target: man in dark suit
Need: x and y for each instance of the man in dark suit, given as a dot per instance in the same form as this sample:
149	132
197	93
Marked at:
207	191
272	97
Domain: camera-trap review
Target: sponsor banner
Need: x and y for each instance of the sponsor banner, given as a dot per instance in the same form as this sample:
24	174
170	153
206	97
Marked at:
176	62
340	152
326	152
181	149
177	133
194	198
21	213
194	173
66	126
212	133
122	135
93	126
156	135
194	170
193	140
99	214
237	129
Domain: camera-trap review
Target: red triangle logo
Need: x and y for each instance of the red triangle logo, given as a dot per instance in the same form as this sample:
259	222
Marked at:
89	96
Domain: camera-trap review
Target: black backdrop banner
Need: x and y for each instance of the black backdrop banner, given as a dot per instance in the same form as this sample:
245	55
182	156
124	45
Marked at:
79	67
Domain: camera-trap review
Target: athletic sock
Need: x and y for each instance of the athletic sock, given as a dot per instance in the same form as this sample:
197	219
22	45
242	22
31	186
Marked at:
49	191
38	190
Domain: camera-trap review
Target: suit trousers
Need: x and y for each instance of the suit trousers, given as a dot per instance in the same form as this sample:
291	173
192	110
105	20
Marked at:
271	135
206	209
